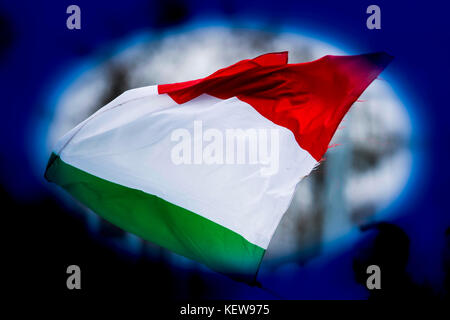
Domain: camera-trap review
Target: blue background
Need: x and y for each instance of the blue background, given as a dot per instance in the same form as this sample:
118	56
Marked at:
36	48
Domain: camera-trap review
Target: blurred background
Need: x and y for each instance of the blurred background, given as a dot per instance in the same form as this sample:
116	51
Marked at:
377	198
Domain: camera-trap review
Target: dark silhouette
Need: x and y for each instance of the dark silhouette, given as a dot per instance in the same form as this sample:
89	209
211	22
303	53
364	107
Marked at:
390	251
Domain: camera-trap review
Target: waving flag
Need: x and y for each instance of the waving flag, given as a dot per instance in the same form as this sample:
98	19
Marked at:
160	161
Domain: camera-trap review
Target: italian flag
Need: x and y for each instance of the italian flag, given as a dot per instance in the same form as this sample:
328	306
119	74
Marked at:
119	161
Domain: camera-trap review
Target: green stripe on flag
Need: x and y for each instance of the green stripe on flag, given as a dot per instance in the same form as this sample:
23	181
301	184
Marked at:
160	222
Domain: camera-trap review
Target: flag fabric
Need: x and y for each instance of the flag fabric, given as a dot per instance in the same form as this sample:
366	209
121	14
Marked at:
134	163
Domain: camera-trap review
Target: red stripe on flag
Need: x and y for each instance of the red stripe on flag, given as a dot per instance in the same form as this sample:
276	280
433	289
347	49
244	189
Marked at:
310	99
